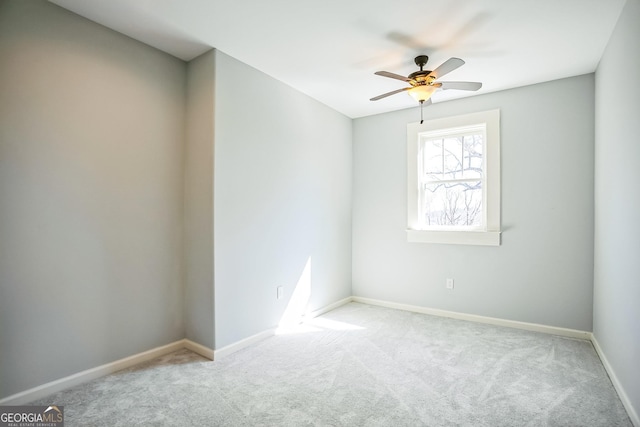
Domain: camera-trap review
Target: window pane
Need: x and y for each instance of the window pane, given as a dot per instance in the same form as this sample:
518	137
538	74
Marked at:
452	204
473	156
432	158
452	158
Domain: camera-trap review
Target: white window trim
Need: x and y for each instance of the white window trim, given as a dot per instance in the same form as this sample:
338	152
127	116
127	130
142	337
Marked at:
491	234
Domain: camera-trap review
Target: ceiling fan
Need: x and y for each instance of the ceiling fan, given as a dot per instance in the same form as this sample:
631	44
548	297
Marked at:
424	83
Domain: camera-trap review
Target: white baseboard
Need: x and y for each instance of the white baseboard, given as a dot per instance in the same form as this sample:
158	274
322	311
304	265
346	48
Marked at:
631	411
49	388
328	308
246	342
198	348
243	343
571	333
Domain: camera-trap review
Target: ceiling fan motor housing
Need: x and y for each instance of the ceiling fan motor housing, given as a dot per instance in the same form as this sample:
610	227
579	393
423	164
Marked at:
421	61
419	78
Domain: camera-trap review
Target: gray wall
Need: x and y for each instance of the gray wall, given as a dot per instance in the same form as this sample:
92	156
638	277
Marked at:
282	198
198	208
617	203
542	272
91	131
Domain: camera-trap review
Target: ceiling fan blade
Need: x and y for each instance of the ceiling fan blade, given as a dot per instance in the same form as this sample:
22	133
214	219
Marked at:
391	75
460	85
393	92
446	67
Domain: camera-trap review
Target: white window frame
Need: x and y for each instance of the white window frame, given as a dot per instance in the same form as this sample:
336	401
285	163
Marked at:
490	233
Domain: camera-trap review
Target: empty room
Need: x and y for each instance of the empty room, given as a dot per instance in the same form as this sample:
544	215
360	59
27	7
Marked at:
294	213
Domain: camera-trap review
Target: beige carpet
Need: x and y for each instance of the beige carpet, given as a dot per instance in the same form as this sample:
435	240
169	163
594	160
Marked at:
361	365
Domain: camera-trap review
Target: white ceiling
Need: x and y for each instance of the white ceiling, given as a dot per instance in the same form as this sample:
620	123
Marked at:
330	49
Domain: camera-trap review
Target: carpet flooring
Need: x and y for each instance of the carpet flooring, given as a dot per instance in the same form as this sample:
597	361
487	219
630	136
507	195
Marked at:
361	365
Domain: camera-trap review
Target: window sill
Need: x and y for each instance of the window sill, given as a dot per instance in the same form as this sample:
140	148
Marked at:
483	238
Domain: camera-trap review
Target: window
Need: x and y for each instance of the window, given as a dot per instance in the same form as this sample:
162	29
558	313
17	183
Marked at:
453	181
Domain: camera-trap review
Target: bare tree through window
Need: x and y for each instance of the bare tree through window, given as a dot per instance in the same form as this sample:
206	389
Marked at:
451	179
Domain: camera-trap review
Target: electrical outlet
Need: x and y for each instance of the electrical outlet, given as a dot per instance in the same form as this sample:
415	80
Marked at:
449	283
279	292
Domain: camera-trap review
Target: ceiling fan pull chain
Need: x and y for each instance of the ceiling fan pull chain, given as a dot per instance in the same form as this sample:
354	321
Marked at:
421	108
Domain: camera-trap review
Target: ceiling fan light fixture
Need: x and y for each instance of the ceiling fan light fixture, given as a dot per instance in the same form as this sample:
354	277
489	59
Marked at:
422	93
